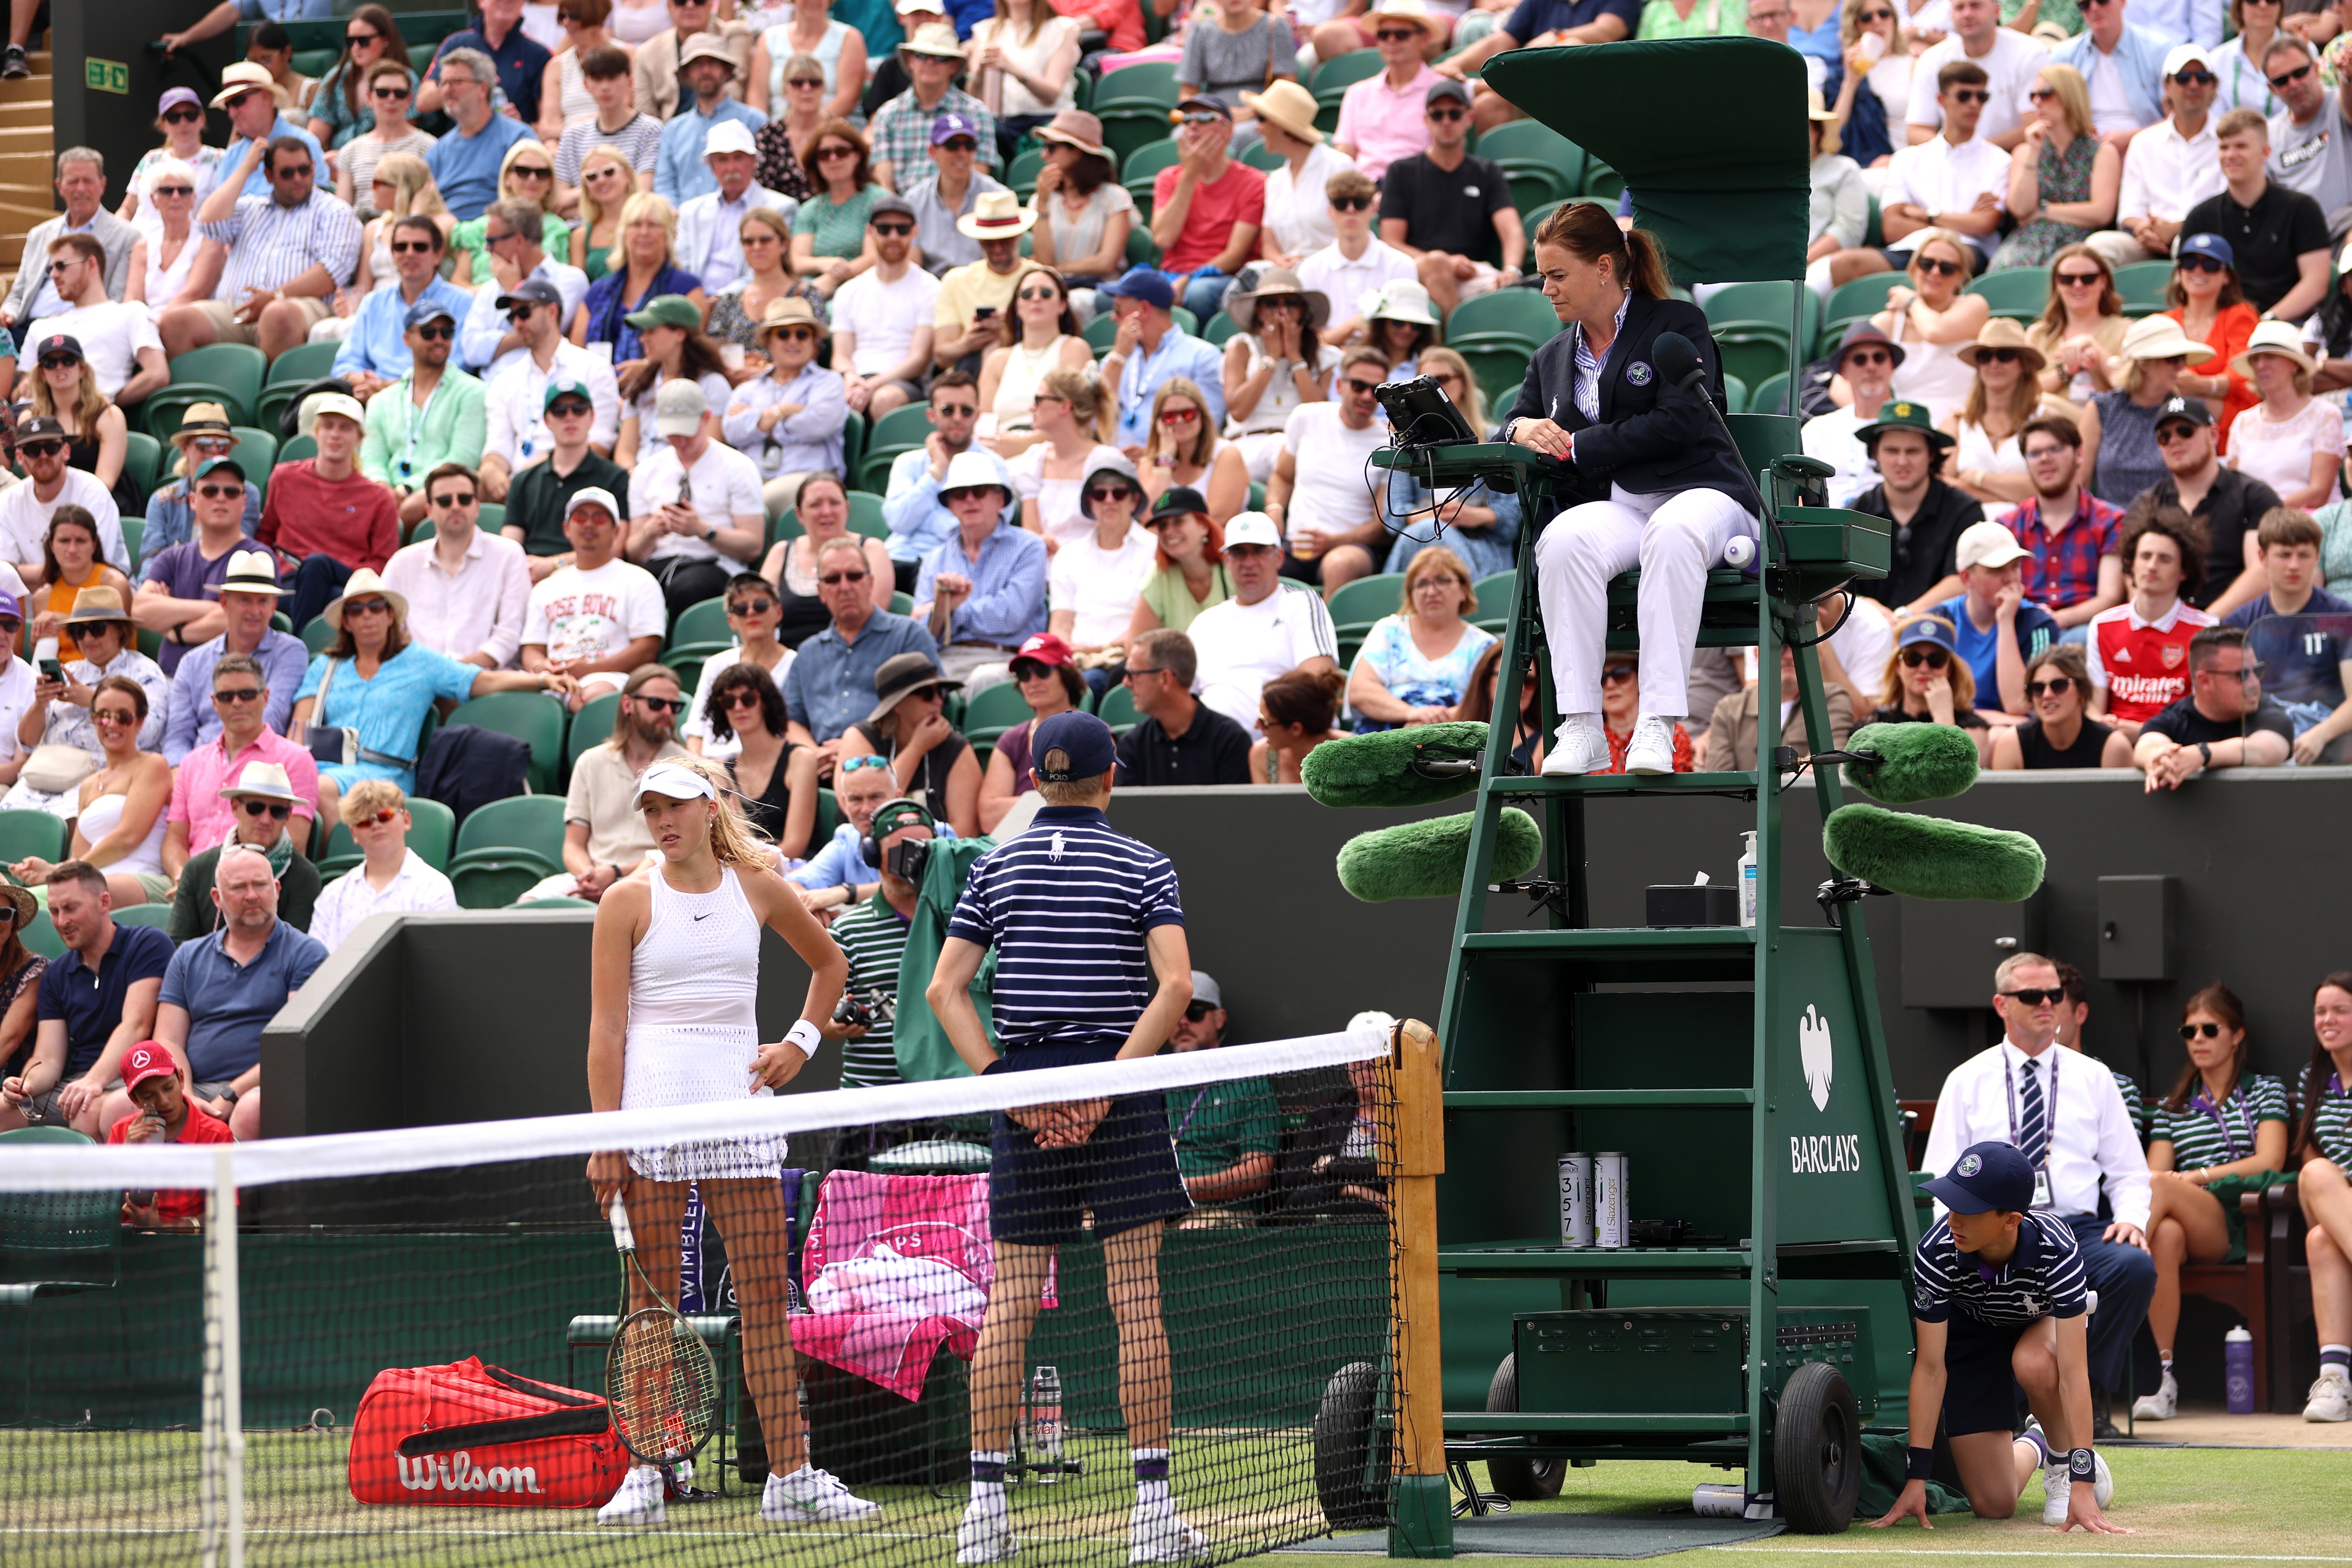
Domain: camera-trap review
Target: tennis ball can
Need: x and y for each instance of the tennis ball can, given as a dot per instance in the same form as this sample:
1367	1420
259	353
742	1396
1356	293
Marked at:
1613	1201
1576	1200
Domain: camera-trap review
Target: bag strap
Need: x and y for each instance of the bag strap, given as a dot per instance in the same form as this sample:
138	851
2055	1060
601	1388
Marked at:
588	1422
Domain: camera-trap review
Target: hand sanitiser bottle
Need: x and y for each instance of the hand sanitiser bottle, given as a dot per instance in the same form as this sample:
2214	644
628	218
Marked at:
1748	879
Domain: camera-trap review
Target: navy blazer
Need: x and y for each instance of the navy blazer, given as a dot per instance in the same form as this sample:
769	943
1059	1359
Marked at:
1652	438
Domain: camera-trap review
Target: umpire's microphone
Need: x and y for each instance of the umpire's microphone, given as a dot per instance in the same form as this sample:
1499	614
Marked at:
1678	362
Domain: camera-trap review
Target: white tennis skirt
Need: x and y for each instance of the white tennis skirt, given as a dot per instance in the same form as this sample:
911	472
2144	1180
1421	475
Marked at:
669	1066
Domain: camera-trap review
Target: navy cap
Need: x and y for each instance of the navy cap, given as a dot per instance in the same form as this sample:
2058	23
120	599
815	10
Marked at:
2210	245
1987	1178
531	291
1087	749
429	310
1148	283
1930	629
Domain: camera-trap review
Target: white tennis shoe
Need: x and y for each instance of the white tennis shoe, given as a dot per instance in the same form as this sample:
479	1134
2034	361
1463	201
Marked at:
1578	748
811	1496
2161	1405
2331	1396
985	1535
1158	1533
639	1500
1653	748
2057	1491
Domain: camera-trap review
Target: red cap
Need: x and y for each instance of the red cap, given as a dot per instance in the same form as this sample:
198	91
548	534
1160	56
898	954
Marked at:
1046	649
144	1061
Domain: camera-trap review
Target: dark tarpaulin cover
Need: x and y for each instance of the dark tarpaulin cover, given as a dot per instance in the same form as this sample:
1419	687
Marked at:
1709	134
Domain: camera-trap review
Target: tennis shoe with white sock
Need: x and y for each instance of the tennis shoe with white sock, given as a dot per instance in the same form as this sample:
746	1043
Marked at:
1578	746
641	1499
2331	1396
1652	748
1158	1533
2161	1405
811	1496
2057	1491
986	1534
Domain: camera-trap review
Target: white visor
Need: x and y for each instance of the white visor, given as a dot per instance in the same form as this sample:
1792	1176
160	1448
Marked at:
671	782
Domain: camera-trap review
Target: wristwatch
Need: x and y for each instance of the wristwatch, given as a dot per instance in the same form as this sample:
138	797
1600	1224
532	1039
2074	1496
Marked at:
2205	750
229	1093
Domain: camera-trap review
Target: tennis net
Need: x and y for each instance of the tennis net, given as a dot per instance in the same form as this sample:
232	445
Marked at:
397	1352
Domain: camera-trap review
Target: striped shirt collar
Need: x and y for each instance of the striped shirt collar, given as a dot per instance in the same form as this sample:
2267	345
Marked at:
1587	365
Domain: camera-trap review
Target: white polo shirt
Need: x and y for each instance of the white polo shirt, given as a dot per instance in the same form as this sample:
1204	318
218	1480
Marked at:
2166	173
351	898
1939	177
1242	646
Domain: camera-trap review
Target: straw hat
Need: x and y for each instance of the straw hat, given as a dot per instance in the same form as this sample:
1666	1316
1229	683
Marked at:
996	215
202	419
362	583
2160	338
2281	338
1412	11
934	39
2001	332
241	78
22	901
268	780
97	604
1287	105
1278	283
1075	128
791	310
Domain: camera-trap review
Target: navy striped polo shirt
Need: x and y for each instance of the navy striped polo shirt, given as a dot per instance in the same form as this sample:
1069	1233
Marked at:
1067	904
2043	1278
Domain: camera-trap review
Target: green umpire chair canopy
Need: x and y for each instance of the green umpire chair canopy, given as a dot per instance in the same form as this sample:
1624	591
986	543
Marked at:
1728	208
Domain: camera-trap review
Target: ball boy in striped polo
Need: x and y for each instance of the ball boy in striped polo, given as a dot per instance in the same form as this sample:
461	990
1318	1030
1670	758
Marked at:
1997	1292
1092	965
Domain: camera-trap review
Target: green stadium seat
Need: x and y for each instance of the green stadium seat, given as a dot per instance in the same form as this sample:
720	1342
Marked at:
1117	709
1334	77
1735	395
256	453
993	712
1100	333
1142	249
298	448
290	372
853	442
592	726
41	939
142	460
1751	323
1023	174
1529	140
229	375
1873	229
158	915
1140	168
529	717
1147	81
1356	606
1522	313
900	430
318	636
703	622
1221	329
507	847
2020	293
1500	365
1851	302
1770	396
1262	158
42	834
902	604
1604	184
135	534
2143	286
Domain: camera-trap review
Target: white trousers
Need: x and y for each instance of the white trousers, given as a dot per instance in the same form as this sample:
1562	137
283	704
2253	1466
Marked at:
1676	540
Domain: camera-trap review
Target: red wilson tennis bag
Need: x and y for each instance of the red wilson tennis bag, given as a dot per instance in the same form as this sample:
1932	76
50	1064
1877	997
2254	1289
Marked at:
470	1436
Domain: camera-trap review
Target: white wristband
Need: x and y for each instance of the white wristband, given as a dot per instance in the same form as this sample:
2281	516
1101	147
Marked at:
804	1035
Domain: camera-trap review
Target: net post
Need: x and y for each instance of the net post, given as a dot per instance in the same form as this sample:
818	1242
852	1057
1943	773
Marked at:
1422	1519
224	1484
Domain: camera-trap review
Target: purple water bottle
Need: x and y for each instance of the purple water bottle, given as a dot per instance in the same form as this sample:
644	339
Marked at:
2238	1370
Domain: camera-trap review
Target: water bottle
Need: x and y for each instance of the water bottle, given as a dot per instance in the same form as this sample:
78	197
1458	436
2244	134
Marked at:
2237	1369
1747	880
1045	1424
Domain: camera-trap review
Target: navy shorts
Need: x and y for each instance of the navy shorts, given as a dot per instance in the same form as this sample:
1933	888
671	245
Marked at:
1979	1387
1125	1173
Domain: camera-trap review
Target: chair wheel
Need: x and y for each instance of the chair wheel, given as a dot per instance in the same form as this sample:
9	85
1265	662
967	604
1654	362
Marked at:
1817	1451
1521	1479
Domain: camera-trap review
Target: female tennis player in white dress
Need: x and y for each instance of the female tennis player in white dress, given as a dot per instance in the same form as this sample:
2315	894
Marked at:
675	975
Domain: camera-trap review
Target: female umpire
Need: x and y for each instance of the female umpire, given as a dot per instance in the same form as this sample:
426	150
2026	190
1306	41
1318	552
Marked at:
1678	492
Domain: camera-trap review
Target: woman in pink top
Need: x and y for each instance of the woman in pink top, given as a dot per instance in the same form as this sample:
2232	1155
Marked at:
2291	439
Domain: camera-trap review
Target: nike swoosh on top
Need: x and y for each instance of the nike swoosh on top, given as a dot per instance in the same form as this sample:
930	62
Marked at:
704	916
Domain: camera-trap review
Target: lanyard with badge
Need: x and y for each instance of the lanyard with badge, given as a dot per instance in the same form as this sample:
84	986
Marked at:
2048	1125
2201	1101
416	418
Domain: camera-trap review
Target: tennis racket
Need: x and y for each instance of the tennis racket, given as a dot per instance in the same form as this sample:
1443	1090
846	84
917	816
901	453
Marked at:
660	1380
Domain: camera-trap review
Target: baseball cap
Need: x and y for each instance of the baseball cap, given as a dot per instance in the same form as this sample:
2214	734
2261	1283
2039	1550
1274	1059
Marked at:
947	127
1928	629
1444	89
1178	501
57	343
2191	409
8	605
705	47
531	291
596	495
1046	649
566	386
1987	1178
889	204
1988	544
679	409
428	309
1206	104
174	97
344	405
727	136
667	310
1148	283
144	1061
1083	742
2185	55
2210	245
1252	528
1204	988
38	427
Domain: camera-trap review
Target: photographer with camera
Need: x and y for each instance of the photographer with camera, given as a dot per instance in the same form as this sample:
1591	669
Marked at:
874	934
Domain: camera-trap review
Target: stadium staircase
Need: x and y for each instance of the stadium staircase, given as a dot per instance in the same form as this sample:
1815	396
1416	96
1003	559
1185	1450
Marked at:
27	143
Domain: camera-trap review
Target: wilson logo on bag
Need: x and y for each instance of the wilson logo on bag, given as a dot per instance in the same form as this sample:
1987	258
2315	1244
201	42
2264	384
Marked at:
470	1435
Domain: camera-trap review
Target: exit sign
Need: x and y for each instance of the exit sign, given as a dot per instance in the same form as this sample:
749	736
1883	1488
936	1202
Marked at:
106	76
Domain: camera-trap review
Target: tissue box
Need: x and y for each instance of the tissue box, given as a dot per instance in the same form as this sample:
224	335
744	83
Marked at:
1692	903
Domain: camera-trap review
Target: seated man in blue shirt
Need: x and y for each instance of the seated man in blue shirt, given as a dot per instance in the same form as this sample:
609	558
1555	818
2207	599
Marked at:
2307	661
376	352
830	685
839	875
1998	630
465	163
982	593
1151	349
919	522
519	58
222	990
96	1001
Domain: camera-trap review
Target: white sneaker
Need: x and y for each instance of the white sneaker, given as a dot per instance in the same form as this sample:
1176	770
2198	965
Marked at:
1158	1533
2331	1396
2161	1405
811	1496
2057	1491
1578	746
1652	750
2103	1484
985	1535
639	1500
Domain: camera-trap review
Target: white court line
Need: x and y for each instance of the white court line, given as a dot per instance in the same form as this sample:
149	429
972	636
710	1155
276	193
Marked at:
1965	1552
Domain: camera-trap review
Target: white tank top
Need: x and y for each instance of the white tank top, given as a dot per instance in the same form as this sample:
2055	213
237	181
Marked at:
103	815
693	1032
574	89
1016	389
1274	404
164	284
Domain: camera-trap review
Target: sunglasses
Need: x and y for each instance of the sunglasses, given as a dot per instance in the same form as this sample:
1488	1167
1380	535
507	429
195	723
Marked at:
375	818
531	172
2284	78
795	334
2206	1031
805	81
835	579
851	764
183	117
1361	388
1970	94
1350	204
1039	294
1134	673
40	448
1203	117
2169	433
954	411
2196	79
2203	264
2041	94
1394	37
894	231
258	808
172	190
1196	1011
660	705
2248	672
1030	670
826	154
368	606
221	491
1998	356
522	312
1934	658
2034	998
391	92
115	715
238	694
1873	17
61	362
464	500
960	144
1103	494
2056	686
62	263
1870	357
411	247
1178	416
358	38
492	241
1941	269
1447	113
565	408
293	172
1616	673
742	697
436	332
750	607
2080	279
